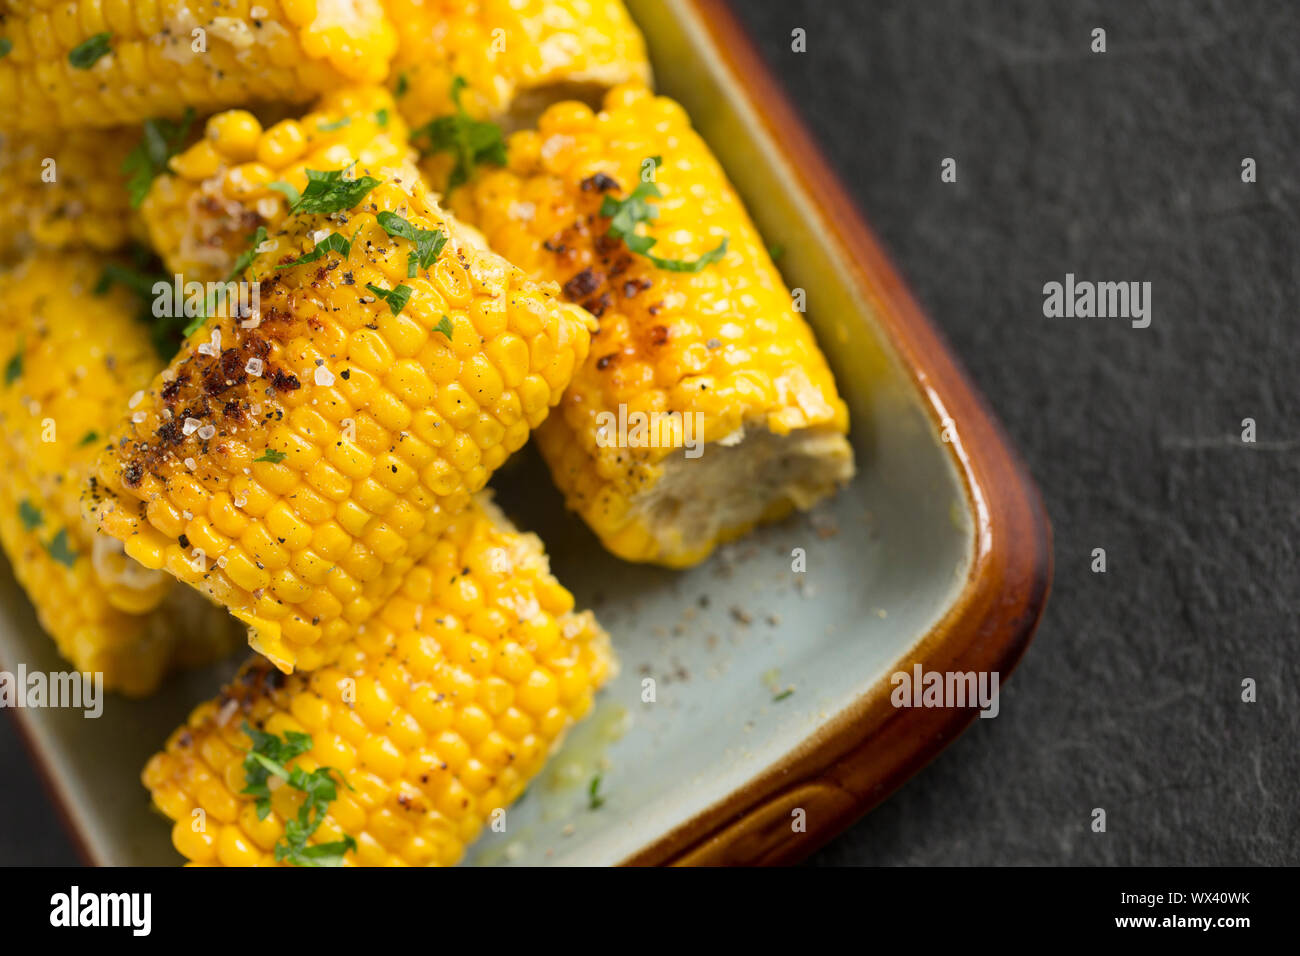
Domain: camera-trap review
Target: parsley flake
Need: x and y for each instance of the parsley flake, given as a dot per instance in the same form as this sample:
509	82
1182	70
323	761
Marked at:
270	756
428	243
162	139
86	54
30	515
6	45
329	192
337	124
331	243
626	214
287	189
14	367
473	142
396	298
594	800
444	326
271	455
89	438
59	550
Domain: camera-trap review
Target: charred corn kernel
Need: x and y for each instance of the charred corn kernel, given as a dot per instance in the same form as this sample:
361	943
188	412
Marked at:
71	360
200	214
423	733
714	364
64	190
325	487
514	56
77	63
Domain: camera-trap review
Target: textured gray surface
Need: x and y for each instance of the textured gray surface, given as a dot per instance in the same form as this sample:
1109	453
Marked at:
1119	166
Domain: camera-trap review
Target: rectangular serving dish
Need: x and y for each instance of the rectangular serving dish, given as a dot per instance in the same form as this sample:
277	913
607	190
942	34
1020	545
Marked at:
770	685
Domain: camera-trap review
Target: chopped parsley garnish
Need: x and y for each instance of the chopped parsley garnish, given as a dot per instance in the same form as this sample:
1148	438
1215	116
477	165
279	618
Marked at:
248	255
428	244
290	193
783	695
30	515
161	141
165	331
594	800
775	251
381	117
402	86
337	124
125	276
85	55
89	438
444	326
473	142
59	550
329	192
14	367
271	455
331	243
396	298
626	214
242	262
6	45
270	756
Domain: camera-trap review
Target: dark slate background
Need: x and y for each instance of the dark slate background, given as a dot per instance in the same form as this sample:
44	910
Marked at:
1119	166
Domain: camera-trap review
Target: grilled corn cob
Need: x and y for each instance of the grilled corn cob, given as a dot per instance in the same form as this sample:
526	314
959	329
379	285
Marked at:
66	190
290	462
109	62
718	345
517	56
201	213
439	713
70	360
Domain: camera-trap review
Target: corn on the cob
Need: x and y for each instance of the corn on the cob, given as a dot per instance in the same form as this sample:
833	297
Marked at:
71	359
516	56
439	713
721	348
66	190
82	63
215	195
310	449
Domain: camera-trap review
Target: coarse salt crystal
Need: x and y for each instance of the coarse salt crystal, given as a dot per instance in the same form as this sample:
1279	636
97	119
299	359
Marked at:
191	464
241	499
190	427
139	417
324	376
207	431
253	367
136	399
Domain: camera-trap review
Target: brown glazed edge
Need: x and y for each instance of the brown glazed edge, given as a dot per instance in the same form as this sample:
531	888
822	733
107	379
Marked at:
858	759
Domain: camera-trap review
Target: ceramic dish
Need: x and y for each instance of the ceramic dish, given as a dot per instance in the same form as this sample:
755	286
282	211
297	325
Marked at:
771	685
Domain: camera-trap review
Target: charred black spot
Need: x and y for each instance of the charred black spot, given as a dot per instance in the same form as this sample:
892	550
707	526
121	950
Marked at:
132	474
285	383
599	183
169	433
582	285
